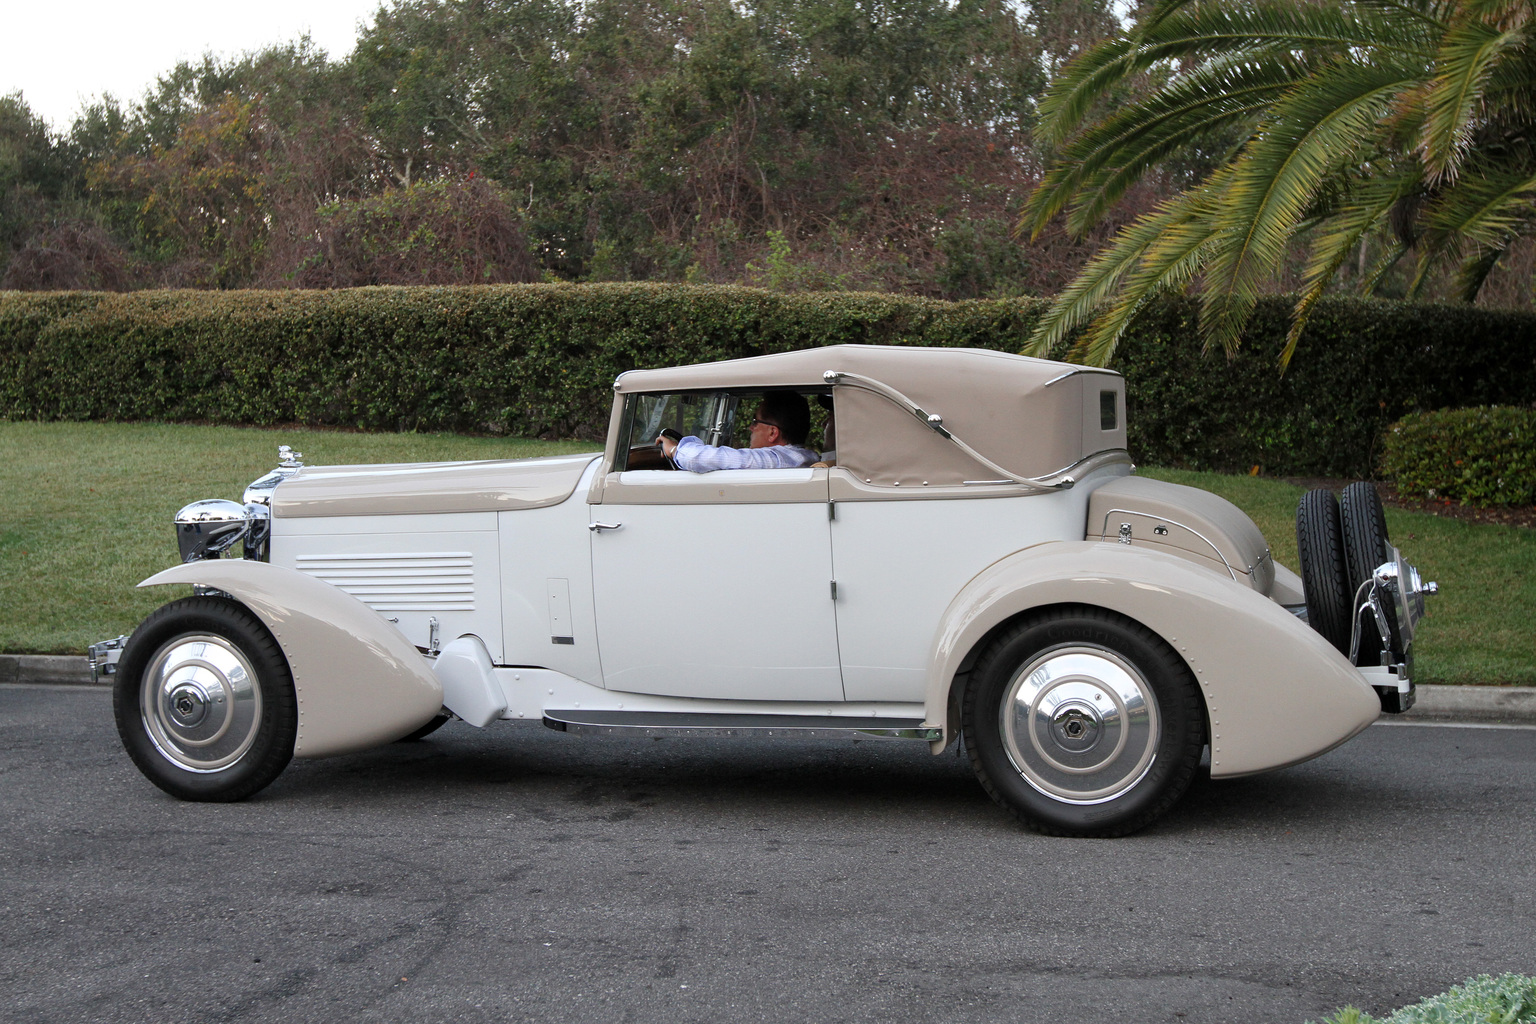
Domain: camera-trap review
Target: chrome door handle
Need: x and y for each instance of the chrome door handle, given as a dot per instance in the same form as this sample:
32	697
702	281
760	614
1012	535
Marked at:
600	527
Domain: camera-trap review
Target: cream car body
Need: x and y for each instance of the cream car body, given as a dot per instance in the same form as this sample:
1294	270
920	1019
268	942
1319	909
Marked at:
972	490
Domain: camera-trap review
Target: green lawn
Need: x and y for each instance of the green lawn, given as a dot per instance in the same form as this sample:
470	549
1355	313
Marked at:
85	513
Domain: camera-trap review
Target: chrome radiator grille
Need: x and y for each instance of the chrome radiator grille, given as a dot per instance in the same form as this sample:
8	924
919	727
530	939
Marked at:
417	581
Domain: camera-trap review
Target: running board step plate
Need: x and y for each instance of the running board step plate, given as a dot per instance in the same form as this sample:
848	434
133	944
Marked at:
683	723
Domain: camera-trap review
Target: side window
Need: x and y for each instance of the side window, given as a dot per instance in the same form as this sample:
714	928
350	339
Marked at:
710	416
714	417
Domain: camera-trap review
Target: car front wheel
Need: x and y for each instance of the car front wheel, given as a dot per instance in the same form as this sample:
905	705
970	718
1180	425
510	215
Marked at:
204	700
1083	723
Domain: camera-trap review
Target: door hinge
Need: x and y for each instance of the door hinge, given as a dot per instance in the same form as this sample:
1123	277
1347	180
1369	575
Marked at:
834	590
831	511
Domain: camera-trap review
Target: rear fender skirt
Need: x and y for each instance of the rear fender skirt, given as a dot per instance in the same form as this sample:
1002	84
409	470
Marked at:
1276	692
359	682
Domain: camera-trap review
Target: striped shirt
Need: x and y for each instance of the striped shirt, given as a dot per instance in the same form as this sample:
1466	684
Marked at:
697	457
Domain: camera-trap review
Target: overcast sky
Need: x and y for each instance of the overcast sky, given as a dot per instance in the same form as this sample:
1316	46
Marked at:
62	54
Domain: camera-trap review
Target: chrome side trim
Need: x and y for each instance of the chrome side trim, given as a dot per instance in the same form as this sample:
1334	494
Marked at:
1082	369
687	723
1124	536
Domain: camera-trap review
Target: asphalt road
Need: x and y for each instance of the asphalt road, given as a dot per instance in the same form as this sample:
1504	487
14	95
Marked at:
522	874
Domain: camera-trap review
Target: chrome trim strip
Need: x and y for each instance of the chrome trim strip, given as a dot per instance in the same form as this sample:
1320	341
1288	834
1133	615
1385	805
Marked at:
1104	535
1082	369
704	724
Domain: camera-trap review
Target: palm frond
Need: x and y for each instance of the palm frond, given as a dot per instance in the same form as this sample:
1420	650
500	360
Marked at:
1466	60
1135	252
1117	153
1313	131
1191	32
1382	266
1338	237
1217	28
1099	164
1082	83
1080	301
1170	264
1474	271
1487	205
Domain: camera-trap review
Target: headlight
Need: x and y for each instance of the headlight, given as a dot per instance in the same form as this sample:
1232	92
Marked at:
206	529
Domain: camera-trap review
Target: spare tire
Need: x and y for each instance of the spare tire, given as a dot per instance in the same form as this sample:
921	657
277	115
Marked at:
1320	550
1365	531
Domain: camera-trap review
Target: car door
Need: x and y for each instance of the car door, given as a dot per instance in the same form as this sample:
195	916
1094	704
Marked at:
716	585
902	556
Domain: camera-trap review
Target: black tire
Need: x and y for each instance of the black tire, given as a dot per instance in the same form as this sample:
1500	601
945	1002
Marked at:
204	701
1365	531
426	730
1074	660
1320	550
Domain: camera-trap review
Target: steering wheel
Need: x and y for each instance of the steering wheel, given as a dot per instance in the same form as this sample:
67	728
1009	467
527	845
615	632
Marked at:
648	456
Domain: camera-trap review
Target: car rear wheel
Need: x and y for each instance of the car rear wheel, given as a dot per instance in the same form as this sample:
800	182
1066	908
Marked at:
1083	723
204	701
1324	579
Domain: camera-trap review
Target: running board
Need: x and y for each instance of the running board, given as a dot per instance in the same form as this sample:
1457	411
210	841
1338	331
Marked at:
684	723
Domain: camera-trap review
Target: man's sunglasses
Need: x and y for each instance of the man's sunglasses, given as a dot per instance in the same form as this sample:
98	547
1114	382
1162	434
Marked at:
755	421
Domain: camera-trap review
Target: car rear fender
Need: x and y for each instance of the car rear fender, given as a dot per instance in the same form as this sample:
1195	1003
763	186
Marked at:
359	683
1276	692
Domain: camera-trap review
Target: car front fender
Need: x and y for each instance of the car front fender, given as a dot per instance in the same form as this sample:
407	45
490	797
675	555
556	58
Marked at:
359	683
1275	691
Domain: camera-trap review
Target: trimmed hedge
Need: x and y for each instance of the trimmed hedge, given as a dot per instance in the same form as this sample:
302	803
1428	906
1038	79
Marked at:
539	360
1484	456
1361	365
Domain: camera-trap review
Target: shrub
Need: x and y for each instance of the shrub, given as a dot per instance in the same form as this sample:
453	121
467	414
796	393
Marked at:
1483	456
1507	999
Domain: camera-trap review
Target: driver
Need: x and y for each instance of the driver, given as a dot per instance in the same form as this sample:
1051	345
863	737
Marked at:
778	432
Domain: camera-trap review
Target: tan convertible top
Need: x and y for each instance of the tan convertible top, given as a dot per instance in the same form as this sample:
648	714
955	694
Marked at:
1033	417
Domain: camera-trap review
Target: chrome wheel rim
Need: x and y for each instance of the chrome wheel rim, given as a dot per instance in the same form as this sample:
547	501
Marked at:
200	702
1080	724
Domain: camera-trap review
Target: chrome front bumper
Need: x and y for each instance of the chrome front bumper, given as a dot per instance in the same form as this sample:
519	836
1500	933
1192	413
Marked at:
103	656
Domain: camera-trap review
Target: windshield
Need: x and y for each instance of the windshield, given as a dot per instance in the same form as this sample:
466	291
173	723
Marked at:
709	417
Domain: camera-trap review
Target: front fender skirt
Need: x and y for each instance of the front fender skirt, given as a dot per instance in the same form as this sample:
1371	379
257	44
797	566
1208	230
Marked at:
1275	691
359	683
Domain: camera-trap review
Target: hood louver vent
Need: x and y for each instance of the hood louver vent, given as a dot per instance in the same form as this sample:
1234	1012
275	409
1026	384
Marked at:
423	581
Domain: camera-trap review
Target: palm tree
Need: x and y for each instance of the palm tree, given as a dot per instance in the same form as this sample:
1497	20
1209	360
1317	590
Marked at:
1411	116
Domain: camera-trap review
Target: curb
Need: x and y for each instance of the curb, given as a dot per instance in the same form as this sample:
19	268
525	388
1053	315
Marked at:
1485	705
52	669
1481	705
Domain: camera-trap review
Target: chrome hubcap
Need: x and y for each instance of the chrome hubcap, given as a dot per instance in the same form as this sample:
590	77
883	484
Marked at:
1080	724
201	704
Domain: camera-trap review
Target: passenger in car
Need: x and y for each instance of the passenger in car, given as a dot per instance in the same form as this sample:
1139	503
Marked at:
778	432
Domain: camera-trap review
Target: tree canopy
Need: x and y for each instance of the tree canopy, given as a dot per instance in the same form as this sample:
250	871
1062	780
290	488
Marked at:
885	143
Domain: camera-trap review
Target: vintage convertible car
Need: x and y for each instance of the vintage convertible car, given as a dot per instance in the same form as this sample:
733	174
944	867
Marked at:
975	560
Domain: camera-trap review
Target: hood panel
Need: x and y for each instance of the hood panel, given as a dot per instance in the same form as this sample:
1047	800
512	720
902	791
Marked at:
427	487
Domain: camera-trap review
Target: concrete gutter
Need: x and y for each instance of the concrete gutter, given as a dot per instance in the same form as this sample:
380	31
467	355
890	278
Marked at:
1483	705
54	669
1487	705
